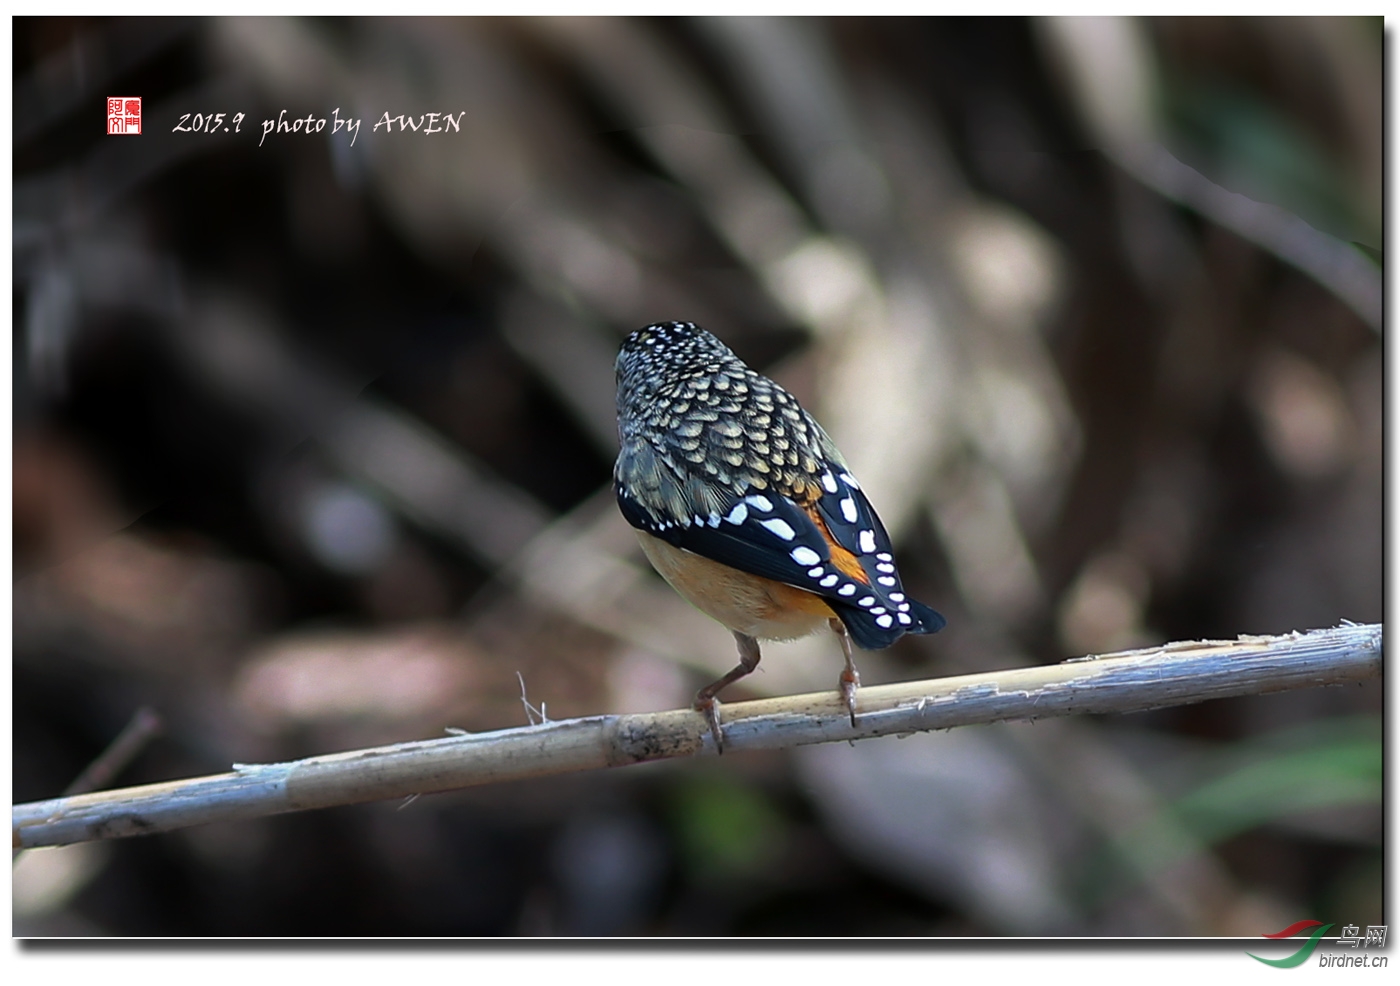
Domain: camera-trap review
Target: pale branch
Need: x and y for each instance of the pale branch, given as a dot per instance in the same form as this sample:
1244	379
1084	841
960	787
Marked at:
145	725
1132	681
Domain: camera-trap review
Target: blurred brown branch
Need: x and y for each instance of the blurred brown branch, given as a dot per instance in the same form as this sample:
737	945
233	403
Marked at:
1113	76
1172	674
145	725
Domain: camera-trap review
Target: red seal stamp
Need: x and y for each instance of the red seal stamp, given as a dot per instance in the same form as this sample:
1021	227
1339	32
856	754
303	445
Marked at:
123	114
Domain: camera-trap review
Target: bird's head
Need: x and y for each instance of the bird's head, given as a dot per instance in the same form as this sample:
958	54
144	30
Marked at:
661	357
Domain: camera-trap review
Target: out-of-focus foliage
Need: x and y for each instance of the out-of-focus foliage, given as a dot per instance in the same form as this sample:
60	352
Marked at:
313	443
1341	771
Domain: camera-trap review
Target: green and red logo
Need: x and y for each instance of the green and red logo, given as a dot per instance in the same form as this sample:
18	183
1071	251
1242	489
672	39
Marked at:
1300	956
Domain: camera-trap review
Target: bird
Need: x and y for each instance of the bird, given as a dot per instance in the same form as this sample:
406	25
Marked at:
742	502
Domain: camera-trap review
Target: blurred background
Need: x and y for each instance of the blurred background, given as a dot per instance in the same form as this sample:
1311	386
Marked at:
313	445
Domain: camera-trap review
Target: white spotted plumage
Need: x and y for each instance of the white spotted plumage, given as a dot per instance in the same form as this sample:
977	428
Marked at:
783	529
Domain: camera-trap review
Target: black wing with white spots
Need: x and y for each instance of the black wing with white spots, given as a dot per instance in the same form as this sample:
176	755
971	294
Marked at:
761	534
852	523
769	535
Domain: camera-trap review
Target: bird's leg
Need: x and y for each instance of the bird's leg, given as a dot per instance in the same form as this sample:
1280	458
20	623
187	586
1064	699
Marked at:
850	677
705	700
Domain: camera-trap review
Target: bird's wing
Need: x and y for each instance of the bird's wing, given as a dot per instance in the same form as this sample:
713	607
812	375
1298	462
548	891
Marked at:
829	541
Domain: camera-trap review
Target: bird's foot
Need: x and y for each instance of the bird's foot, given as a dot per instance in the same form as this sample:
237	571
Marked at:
709	708
850	683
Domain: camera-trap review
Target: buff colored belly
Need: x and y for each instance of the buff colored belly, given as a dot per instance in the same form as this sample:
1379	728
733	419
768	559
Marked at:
747	603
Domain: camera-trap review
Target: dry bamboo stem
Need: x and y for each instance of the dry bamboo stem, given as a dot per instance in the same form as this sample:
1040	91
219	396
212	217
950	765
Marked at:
1132	681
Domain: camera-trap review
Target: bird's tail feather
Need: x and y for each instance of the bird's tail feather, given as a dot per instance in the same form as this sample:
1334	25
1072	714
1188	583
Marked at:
869	635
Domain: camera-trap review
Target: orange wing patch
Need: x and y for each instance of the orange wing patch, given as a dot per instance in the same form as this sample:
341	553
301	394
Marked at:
845	562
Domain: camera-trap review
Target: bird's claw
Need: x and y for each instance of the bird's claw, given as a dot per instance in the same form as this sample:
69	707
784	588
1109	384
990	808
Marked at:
850	682
709	708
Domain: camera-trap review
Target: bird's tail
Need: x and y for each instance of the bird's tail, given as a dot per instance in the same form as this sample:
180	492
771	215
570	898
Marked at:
867	633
